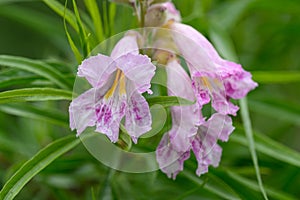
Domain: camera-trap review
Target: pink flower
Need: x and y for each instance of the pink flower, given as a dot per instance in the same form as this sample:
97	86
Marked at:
189	129
213	78
117	84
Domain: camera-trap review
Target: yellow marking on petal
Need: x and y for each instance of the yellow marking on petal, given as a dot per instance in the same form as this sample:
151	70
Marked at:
110	92
206	82
122	87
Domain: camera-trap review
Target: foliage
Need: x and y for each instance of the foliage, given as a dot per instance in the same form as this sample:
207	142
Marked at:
42	43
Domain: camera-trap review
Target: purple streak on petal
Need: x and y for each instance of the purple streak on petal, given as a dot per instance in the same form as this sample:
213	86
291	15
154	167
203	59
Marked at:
184	118
109	113
169	160
82	110
138	117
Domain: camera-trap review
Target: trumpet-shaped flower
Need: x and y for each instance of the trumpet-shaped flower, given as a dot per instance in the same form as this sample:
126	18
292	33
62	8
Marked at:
213	77
117	84
189	129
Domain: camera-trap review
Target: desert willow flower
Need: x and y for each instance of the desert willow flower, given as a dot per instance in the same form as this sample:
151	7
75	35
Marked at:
190	131
117	83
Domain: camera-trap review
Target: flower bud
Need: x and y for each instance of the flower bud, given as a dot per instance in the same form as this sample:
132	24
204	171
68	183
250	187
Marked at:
159	14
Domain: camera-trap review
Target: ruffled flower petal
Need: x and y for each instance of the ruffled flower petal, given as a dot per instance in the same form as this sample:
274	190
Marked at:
97	69
213	77
138	117
82	110
139	69
184	118
109	113
169	160
204	144
128	44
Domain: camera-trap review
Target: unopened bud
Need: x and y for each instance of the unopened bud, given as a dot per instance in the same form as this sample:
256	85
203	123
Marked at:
160	14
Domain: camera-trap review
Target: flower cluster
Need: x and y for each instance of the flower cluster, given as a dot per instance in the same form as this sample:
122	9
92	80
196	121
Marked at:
119	80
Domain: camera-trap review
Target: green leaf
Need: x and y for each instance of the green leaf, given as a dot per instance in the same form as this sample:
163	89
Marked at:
74	49
20	80
63	12
271	77
36	164
82	31
93	9
251	143
214	185
253	186
282	111
34	94
35	112
35	66
266	145
168	101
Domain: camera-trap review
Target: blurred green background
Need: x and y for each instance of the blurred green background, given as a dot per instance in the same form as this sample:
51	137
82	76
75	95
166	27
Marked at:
264	34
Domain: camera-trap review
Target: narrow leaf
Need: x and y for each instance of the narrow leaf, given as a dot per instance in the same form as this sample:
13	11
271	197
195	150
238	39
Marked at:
35	66
35	112
34	94
36	164
57	7
93	9
168	101
271	77
251	143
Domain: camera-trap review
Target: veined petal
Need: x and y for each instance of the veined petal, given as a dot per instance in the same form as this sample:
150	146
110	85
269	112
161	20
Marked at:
169	160
82	110
97	69
204	144
128	44
109	113
139	69
138	117
184	118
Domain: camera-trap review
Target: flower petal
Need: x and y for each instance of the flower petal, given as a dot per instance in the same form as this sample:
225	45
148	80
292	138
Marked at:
138	117
169	160
109	113
184	118
82	110
139	69
97	69
204	144
128	44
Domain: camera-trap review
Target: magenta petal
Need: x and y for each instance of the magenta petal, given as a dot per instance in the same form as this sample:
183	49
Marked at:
138	117
97	69
184	118
128	44
82	111
169	160
109	113
139	69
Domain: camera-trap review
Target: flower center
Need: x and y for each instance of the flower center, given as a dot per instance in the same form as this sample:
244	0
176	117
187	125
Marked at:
119	83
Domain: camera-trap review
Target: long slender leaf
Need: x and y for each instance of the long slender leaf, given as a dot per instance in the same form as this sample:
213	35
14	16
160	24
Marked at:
17	80
251	143
36	164
35	66
93	9
34	112
168	101
215	187
269	77
60	9
253	185
34	94
82	31
266	145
